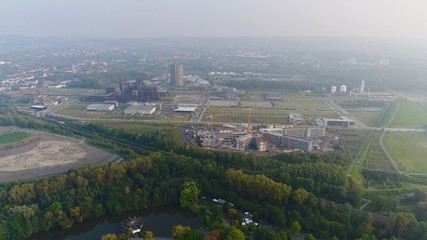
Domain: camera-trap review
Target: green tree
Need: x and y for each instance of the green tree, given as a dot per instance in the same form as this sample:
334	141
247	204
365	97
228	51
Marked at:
281	235
300	195
190	194
178	232
148	235
235	234
109	236
296	228
367	237
309	237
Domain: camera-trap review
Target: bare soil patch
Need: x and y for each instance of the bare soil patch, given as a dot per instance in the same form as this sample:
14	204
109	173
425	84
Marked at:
48	155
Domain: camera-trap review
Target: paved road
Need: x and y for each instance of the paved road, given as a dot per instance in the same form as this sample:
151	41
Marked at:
343	112
197	116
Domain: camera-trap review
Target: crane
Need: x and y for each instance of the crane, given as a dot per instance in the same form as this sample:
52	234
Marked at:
248	130
210	117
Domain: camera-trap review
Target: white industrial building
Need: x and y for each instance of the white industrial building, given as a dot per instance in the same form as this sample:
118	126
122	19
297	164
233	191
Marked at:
342	122
343	88
186	108
140	110
333	89
100	107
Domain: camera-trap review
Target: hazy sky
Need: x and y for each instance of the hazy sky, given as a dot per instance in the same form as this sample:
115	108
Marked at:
205	18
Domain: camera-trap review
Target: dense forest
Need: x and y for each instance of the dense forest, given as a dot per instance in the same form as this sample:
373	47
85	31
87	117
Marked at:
295	192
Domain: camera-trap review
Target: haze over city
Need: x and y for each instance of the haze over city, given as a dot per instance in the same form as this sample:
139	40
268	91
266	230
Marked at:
222	18
213	120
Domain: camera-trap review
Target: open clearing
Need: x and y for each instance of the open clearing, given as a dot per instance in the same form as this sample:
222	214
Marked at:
187	99
409	149
410	115
369	118
48	155
301	103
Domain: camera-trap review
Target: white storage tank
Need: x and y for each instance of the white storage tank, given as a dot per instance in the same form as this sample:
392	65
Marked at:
333	89
343	88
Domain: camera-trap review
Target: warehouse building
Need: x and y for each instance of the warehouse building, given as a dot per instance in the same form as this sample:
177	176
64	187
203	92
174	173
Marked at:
100	107
140	110
341	122
186	108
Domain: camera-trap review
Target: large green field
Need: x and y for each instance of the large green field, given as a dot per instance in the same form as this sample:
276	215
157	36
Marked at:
301	102
409	149
72	110
13	137
369	118
411	115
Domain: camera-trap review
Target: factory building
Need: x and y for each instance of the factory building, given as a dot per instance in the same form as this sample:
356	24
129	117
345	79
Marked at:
341	122
222	92
100	107
186	108
132	90
140	110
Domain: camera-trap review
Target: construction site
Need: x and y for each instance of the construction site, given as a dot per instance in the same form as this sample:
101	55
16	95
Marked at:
262	138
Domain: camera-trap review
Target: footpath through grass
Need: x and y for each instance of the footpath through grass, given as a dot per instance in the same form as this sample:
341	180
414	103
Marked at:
13	137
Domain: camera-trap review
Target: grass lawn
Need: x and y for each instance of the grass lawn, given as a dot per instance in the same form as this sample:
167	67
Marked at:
301	102
409	149
13	137
411	115
72	110
369	118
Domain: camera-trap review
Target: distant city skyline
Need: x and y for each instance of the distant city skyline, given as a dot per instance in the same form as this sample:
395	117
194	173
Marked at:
221	18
